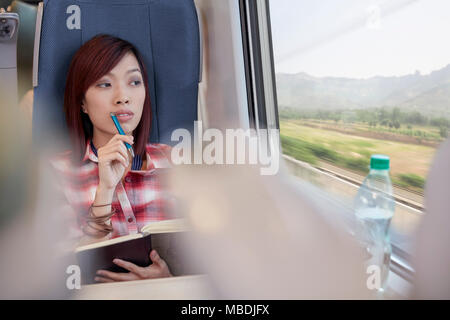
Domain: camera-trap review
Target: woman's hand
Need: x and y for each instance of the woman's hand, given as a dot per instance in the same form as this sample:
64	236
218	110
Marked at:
113	160
158	269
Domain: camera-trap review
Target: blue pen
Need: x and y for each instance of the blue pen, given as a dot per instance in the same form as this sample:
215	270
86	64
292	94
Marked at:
119	128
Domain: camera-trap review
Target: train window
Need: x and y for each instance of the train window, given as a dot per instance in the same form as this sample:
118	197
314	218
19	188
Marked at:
355	78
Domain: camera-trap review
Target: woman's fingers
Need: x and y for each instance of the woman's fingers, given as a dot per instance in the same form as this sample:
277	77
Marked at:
130	267
116	276
158	269
116	156
119	137
118	146
102	280
154	256
162	269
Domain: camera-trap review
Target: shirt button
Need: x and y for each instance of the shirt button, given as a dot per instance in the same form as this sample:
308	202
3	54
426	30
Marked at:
130	220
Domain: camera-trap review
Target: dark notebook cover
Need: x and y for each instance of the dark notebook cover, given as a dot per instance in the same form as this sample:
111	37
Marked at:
136	251
169	245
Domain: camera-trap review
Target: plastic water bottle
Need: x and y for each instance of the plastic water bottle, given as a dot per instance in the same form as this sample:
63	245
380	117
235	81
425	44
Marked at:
374	208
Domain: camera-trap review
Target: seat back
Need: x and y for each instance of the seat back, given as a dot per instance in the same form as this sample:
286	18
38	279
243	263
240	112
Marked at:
27	14
165	33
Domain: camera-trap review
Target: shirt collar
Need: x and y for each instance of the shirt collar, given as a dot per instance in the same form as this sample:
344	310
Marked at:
89	154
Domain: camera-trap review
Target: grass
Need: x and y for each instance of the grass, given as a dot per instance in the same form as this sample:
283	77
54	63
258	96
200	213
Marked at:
409	162
296	148
412	179
363	144
311	153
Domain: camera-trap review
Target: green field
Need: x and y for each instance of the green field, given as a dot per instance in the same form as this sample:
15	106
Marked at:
409	162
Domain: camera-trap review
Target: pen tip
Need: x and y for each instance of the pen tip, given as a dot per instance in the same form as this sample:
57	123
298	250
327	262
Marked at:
112	114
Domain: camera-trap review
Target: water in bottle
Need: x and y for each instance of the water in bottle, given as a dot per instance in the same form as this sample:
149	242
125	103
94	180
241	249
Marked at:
374	208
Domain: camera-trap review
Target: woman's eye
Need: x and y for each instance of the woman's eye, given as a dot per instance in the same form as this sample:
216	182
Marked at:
136	82
104	85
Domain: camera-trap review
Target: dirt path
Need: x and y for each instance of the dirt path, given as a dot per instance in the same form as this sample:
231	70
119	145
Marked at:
374	135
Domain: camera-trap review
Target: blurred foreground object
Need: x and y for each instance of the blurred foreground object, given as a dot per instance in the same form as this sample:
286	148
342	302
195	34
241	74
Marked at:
259	237
31	264
433	237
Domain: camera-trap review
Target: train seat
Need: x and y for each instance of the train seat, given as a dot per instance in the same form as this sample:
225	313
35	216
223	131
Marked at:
165	32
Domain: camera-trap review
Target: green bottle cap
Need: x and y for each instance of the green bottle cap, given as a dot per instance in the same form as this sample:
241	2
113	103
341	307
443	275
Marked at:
379	162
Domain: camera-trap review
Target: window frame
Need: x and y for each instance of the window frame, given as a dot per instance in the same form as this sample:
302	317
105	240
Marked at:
259	64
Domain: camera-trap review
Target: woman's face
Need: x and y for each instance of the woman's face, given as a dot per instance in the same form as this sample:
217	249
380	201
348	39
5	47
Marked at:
121	91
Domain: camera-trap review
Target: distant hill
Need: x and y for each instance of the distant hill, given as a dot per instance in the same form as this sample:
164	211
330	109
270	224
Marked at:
429	94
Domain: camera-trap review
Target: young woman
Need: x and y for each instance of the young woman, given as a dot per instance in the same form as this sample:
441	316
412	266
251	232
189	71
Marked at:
112	193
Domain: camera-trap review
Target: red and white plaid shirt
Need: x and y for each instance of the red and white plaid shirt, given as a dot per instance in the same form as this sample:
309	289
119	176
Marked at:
138	200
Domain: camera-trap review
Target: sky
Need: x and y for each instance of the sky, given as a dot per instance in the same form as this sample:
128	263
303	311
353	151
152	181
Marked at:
360	38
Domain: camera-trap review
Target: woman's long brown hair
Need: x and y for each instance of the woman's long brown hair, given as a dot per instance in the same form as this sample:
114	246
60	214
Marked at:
92	61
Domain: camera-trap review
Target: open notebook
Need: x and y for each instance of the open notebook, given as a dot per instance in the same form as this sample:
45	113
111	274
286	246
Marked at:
166	237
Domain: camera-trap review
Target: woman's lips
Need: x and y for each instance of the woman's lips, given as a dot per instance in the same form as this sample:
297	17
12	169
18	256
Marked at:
124	116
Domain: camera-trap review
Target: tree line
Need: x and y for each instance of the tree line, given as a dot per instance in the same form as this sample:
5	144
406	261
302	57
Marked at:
391	118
